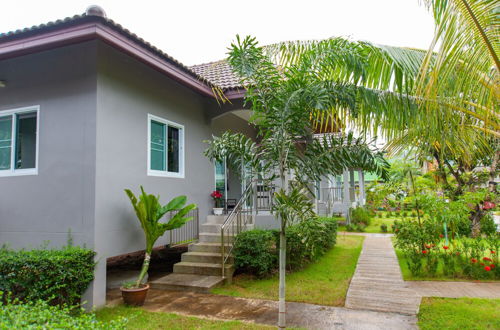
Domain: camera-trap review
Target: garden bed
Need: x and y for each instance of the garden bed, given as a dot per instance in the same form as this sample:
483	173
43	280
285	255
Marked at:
462	313
324	282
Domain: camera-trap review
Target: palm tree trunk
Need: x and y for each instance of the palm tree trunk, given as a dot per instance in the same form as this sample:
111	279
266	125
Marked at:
145	267
282	262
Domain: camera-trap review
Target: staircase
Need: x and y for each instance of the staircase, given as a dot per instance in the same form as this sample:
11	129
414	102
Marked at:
200	268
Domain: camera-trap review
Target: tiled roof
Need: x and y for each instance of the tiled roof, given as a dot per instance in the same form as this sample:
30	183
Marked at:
218	73
69	21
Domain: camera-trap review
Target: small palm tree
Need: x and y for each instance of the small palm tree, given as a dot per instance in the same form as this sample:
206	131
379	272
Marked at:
149	212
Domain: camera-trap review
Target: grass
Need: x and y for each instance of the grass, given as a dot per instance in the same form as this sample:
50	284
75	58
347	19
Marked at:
324	282
376	222
462	313
141	319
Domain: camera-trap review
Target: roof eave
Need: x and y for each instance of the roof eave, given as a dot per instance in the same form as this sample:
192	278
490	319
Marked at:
67	35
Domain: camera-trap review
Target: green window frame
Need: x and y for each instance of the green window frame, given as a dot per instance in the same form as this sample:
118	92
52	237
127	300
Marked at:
19	131
165	148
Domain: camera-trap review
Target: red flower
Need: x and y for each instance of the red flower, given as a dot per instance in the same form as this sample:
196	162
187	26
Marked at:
441	235
487	259
445	247
457	253
424	252
492	266
492	252
216	194
488	205
473	260
427	246
487	268
482	264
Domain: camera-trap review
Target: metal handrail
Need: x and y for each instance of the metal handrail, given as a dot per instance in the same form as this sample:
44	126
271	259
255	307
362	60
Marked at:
235	223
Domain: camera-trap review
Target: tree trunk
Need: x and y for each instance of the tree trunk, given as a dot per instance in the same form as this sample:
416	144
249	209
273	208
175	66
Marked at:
493	170
282	270
145	267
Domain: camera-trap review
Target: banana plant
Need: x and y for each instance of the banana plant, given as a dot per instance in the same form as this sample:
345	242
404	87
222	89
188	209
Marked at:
149	211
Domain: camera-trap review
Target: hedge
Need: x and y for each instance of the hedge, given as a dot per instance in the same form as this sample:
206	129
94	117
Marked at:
40	315
256	251
55	276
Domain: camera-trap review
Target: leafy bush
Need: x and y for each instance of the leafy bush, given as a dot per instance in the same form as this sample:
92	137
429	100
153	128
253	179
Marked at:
488	225
56	276
40	315
383	228
255	252
360	215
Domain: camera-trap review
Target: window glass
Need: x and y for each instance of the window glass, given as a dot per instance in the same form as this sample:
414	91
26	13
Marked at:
220	177
5	142
157	146
26	141
173	149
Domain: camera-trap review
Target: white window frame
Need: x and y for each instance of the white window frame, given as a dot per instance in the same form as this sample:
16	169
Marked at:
182	131
26	171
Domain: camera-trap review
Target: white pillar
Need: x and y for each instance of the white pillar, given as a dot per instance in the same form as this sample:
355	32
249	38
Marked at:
362	194
346	200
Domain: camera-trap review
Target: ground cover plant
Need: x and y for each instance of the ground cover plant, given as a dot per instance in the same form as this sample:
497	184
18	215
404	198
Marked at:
40	315
324	281
461	313
138	318
57	276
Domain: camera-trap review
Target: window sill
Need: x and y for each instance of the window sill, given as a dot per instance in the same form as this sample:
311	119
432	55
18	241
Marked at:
166	174
31	171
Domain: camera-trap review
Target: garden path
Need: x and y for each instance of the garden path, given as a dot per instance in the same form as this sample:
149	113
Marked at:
258	311
377	283
456	289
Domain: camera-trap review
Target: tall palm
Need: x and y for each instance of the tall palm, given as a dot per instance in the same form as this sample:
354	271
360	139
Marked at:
282	100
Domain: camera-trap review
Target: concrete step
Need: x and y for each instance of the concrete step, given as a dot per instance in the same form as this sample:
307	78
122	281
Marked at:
202	268
213	238
216	219
205	257
206	247
187	282
215	228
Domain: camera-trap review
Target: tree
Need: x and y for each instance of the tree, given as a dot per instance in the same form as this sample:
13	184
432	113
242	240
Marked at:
284	101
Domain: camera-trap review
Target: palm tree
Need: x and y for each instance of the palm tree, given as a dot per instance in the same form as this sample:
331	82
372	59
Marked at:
282	100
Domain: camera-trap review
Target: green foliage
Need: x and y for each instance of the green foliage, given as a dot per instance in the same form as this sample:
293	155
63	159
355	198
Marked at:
360	215
383	228
488	225
56	276
149	211
40	315
255	252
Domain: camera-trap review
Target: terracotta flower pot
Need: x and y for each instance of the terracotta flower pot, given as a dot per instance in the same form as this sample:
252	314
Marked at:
135	296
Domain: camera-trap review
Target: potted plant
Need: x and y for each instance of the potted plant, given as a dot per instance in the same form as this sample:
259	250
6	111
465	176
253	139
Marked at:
217	196
149	212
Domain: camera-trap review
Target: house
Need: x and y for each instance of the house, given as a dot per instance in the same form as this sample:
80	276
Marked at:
87	109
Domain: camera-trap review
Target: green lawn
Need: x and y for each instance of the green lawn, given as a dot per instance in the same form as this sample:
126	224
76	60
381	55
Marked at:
462	313
324	282
141	319
374	227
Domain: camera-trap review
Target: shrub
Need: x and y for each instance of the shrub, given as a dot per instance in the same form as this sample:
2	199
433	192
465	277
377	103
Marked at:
56	276
383	228
488	225
40	315
255	252
360	215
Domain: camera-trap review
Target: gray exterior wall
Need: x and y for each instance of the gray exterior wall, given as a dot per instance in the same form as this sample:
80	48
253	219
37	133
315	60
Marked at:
44	207
127	91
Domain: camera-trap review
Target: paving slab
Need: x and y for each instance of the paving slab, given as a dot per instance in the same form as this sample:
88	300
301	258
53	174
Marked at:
265	312
377	284
447	289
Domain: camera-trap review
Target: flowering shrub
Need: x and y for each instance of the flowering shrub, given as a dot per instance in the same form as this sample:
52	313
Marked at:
217	197
427	254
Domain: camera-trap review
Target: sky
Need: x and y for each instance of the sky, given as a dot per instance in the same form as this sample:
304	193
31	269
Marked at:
195	31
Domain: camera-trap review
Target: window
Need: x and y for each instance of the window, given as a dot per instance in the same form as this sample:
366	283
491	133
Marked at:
19	141
165	148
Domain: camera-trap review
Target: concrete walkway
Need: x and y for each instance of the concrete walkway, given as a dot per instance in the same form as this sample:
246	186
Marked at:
257	311
378	284
490	290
